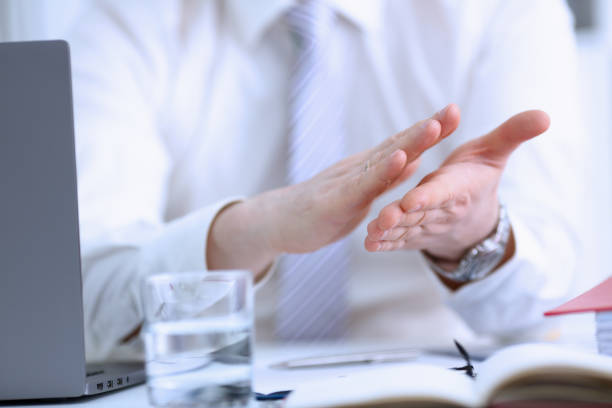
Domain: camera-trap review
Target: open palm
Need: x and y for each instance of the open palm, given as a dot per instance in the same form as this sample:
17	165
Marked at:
325	208
456	206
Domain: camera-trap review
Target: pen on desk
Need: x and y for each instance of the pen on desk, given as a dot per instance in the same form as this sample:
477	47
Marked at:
468	367
273	396
374	357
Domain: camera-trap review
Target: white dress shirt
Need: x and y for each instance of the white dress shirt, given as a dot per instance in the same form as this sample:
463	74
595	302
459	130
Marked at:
181	108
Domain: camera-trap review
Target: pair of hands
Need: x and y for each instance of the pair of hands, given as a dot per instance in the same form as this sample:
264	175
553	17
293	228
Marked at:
449	211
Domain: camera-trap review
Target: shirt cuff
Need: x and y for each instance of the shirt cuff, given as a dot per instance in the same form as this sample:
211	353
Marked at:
482	289
220	207
270	271
180	246
475	289
507	300
185	241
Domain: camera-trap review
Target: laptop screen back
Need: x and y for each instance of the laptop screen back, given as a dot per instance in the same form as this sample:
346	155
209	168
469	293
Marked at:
41	314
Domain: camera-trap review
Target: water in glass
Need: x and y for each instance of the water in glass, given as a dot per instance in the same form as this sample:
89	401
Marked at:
199	362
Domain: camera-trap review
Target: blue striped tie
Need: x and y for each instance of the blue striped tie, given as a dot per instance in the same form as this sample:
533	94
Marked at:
312	302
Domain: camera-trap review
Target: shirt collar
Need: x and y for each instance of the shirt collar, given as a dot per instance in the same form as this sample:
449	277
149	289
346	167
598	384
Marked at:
254	17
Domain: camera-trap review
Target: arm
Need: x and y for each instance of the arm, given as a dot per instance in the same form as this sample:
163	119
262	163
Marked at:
526	60
457	206
307	216
121	75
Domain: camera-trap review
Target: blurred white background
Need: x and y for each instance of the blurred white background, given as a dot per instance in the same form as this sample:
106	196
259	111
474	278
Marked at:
46	19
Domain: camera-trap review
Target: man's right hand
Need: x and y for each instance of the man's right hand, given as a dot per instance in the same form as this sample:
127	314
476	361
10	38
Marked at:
309	215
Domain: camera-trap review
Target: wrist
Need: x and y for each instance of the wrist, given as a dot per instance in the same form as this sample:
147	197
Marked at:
481	259
265	213
508	254
239	239
446	264
450	252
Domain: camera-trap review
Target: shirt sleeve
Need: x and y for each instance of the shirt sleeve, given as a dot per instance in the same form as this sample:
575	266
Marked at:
528	61
121	67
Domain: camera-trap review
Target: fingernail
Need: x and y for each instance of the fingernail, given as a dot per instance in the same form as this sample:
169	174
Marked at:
425	123
384	234
415	208
441	113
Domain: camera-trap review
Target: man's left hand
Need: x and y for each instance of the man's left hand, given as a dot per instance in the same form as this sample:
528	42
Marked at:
456	206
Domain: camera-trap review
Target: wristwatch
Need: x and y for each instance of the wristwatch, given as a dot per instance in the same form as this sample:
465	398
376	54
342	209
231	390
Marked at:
482	258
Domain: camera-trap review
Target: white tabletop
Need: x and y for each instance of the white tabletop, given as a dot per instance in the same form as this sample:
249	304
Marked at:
266	379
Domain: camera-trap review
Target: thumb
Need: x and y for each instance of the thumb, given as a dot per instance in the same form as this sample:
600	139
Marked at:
498	144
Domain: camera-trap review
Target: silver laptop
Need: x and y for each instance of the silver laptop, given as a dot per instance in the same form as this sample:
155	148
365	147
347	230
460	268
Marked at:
42	350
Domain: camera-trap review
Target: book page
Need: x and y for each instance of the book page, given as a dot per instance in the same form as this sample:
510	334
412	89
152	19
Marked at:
425	385
540	367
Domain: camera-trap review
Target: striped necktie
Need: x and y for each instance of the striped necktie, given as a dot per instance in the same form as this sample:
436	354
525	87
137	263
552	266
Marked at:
312	301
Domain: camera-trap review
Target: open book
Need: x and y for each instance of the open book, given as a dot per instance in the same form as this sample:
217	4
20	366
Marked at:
519	373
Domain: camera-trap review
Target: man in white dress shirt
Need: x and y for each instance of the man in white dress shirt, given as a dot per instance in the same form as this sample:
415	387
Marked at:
181	112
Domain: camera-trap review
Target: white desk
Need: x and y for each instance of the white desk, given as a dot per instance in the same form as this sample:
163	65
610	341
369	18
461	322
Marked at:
266	380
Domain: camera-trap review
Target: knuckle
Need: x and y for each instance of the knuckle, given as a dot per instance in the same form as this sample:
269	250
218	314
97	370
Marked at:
408	235
462	200
397	137
376	157
449	198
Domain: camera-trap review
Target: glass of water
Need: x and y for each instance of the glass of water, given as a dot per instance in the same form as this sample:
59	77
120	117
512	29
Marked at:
198	338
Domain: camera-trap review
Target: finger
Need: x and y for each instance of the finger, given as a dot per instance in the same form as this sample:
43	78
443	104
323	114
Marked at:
389	216
371	246
424	219
374	231
377	229
498	144
373	180
433	220
416	238
382	246
413	141
449	118
387	219
408	171
390	246
394	233
424	134
401	233
434	194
